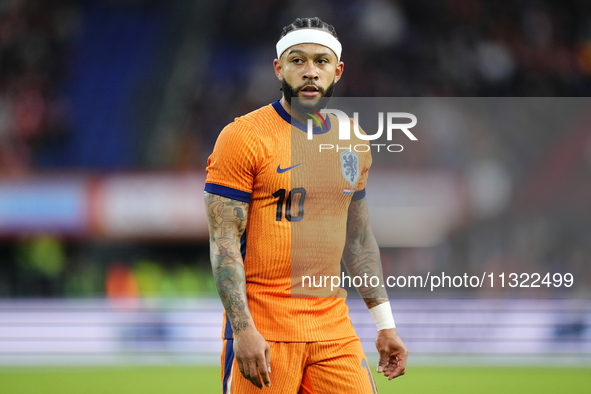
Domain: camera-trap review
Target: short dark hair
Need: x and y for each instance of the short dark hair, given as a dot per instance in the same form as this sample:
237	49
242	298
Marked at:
305	23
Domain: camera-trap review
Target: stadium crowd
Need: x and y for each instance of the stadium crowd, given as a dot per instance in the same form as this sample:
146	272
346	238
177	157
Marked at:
33	65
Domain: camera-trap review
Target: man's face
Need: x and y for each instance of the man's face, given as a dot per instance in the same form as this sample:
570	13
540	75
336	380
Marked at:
309	72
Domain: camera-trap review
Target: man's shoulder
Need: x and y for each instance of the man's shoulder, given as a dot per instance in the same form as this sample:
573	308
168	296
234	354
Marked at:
257	119
254	129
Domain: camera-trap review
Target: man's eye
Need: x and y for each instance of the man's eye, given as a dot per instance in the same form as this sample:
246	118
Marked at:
322	61
297	60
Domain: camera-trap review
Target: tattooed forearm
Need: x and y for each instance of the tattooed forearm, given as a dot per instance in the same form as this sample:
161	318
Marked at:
227	222
362	255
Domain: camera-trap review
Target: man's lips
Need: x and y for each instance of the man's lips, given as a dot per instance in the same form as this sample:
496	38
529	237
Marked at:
310	91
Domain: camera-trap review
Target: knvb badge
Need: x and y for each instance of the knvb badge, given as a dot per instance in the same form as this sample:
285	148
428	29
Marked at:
345	130
350	166
350	169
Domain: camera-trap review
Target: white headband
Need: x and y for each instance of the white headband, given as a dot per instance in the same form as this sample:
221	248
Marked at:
309	36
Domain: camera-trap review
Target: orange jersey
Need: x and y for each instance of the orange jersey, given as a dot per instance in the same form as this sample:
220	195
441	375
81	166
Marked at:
299	200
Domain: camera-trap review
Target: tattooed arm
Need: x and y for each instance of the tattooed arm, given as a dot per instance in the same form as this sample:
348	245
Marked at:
227	222
362	257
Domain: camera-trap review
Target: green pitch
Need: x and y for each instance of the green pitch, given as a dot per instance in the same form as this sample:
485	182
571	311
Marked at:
205	380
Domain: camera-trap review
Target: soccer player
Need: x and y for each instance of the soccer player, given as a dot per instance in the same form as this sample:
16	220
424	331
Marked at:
260	203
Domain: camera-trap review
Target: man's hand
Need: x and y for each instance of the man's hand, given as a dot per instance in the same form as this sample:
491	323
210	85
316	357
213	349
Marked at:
252	352
393	353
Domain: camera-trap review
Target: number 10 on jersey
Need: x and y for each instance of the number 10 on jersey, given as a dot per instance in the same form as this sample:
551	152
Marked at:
296	195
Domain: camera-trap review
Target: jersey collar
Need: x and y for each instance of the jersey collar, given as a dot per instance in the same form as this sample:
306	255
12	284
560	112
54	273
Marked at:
287	117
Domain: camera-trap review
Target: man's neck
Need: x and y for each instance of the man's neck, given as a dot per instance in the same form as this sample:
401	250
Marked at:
295	114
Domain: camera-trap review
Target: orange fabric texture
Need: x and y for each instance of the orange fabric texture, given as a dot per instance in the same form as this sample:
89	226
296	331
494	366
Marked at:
251	156
308	368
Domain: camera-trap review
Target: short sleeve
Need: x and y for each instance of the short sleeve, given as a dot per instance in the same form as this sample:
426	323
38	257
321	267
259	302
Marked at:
362	183
232	166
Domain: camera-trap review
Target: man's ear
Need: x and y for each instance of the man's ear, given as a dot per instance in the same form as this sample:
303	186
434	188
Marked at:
339	71
278	69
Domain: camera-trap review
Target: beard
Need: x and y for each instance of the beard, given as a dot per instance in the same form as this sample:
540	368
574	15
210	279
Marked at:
325	94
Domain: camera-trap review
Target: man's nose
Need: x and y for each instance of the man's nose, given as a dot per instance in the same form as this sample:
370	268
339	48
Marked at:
311	71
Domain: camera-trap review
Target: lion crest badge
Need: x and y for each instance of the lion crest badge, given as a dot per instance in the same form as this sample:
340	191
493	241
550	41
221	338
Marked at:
350	166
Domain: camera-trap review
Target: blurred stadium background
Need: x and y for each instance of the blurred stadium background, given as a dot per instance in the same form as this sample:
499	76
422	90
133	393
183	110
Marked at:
110	108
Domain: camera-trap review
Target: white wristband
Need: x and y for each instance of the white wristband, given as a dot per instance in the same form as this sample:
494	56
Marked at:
382	315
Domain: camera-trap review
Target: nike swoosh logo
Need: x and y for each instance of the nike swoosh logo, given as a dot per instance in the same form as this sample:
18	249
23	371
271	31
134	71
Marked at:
282	170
